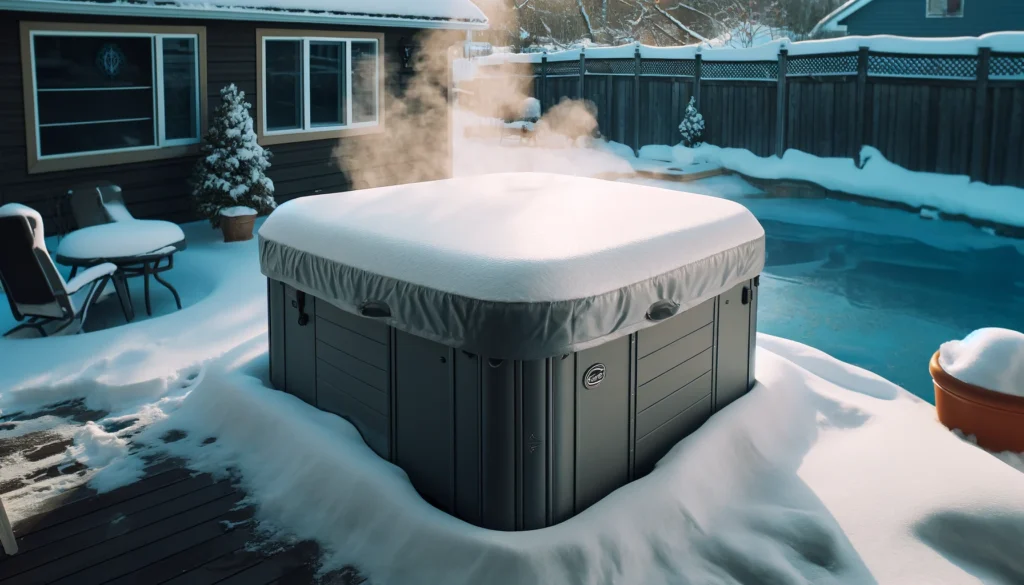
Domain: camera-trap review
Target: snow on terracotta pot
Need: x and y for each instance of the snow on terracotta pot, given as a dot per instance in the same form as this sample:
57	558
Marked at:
979	387
237	222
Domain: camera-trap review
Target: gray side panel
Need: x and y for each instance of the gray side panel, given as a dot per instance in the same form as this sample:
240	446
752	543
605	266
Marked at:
368	328
362	348
678	401
753	334
657	337
674	379
424	429
653	447
562	443
333	397
300	348
602	423
498	457
467	437
733	346
674	354
534	444
275	314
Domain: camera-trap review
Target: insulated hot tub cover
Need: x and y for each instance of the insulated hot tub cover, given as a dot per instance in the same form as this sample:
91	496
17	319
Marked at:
513	266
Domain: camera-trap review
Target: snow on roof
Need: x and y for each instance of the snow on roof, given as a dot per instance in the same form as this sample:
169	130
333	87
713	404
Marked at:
831	22
1001	42
420	13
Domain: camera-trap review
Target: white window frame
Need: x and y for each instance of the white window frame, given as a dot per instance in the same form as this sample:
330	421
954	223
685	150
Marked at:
928	13
157	86
307	127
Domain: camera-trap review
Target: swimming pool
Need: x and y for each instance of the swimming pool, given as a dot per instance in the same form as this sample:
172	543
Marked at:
880	288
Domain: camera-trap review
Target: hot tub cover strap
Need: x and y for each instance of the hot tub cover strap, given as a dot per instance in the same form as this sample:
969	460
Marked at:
510	330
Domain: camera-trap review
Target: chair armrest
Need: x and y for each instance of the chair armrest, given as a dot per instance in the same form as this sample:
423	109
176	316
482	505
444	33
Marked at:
89	275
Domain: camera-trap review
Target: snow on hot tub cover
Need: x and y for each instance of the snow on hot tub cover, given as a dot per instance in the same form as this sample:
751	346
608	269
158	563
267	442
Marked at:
513	266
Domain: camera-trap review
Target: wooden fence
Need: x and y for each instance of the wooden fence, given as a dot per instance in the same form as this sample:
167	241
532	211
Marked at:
958	114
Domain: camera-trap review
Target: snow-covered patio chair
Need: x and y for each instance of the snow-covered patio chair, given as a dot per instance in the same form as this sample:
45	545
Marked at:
35	289
97	203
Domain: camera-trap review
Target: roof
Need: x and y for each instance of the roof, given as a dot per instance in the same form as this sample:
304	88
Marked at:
454	14
831	23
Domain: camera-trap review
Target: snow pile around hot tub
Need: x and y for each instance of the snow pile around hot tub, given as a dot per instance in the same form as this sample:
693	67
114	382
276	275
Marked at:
824	473
991	358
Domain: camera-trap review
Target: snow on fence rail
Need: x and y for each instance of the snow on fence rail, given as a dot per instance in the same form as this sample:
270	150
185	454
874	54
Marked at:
953	105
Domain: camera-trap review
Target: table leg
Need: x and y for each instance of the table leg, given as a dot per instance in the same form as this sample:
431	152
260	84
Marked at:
124	295
177	299
74	271
146	271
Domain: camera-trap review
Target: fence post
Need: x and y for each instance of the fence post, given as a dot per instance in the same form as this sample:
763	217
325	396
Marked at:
542	91
583	73
781	106
859	130
637	61
980	108
697	60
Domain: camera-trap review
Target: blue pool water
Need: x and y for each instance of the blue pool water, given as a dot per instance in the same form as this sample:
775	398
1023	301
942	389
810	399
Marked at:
879	288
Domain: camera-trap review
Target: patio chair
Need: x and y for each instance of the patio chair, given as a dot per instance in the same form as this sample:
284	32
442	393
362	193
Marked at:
35	289
97	203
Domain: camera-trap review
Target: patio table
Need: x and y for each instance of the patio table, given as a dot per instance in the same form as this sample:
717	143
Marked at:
138	247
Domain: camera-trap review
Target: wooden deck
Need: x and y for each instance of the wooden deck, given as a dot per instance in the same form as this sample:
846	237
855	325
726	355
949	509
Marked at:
174	526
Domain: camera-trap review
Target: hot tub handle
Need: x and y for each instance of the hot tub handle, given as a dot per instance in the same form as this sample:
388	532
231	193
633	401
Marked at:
300	304
661	310
375	309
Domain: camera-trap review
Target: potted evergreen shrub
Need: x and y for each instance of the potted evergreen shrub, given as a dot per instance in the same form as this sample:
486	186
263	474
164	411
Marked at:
229	184
692	126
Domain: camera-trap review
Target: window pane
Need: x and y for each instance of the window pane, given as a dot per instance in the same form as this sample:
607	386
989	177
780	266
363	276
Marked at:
181	89
93	61
283	79
92	137
94	93
364	81
326	83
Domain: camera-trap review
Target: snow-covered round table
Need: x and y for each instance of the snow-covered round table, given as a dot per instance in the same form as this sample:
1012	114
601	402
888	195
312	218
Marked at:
137	247
520	344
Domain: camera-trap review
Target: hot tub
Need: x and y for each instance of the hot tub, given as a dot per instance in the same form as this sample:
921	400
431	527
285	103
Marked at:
520	344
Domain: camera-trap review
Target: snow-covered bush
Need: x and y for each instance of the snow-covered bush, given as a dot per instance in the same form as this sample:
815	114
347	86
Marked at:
232	169
692	126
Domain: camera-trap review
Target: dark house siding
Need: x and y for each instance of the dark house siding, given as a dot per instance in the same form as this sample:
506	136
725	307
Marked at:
907	18
159	189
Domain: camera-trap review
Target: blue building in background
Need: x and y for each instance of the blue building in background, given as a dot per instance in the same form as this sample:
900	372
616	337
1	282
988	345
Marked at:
924	18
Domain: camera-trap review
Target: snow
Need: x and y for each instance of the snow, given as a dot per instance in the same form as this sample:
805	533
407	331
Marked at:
1003	42
434	9
120	239
531	108
879	179
991	358
824	473
237	211
519	237
107	453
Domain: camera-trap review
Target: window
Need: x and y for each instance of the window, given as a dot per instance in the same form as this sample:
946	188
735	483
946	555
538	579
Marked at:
945	8
111	95
318	85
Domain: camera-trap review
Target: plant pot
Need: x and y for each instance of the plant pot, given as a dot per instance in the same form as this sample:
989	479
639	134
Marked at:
994	418
237	228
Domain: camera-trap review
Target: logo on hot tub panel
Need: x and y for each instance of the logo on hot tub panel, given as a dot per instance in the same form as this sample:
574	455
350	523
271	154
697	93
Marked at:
594	375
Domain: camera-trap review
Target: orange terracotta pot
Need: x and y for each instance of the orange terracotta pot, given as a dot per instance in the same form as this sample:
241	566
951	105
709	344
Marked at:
237	228
996	419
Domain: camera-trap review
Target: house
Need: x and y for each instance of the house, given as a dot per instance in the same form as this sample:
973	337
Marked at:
924	18
122	91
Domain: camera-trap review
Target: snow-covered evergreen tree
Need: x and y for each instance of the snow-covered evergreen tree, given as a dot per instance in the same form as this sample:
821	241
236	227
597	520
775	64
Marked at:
232	169
692	126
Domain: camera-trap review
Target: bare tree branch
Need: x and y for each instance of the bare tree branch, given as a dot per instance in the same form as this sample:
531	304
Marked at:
682	26
586	18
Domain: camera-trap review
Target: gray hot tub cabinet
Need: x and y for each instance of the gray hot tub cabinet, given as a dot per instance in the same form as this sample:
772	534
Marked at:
508	444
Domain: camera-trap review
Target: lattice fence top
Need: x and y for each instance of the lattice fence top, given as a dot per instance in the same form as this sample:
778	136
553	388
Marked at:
822	65
752	70
1003	66
610	66
563	68
668	67
934	66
